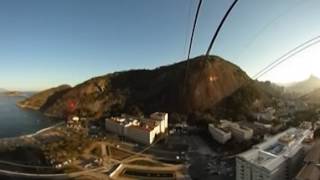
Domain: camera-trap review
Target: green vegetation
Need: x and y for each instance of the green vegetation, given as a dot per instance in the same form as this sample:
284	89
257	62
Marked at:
71	146
44	99
173	88
239	103
300	116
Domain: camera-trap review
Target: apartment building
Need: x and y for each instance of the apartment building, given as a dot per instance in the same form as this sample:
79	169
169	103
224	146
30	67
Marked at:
142	130
278	158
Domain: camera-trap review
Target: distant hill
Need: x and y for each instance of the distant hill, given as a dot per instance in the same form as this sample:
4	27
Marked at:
305	86
44	98
312	97
208	81
13	93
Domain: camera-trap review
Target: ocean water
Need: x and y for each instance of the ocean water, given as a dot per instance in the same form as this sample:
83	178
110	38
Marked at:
15	121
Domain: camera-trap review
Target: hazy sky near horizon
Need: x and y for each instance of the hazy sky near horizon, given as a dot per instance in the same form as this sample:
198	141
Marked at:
47	43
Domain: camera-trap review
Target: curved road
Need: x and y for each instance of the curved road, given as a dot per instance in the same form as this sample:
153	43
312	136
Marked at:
52	176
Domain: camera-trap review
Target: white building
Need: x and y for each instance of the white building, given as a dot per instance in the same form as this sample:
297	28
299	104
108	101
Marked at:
278	158
267	126
306	125
222	135
140	130
118	125
267	114
145	133
227	129
163	118
241	133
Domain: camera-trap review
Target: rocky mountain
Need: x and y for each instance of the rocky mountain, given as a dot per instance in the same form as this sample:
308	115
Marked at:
305	86
190	86
44	99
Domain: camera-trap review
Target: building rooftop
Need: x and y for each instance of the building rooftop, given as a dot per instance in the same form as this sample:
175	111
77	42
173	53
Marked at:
276	149
219	128
244	128
146	124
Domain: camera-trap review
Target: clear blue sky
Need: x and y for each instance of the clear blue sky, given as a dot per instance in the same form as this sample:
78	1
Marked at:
46	43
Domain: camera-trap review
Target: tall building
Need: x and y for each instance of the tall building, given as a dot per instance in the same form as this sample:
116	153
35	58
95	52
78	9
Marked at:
278	158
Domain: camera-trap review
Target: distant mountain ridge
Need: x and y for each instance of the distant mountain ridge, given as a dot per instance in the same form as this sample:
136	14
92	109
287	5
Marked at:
3	90
174	88
306	86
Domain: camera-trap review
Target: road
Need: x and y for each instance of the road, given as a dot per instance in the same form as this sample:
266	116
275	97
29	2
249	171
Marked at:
52	176
122	158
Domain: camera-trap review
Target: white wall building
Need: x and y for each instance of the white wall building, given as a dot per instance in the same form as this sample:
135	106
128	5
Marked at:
227	129
241	133
263	125
219	134
163	118
306	125
278	158
267	114
140	130
144	134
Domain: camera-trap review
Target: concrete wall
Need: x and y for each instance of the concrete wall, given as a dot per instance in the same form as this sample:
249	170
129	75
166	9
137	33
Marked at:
163	118
114	127
248	171
219	135
241	134
140	135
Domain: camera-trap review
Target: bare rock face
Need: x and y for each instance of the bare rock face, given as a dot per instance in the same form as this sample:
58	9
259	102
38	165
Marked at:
209	82
184	87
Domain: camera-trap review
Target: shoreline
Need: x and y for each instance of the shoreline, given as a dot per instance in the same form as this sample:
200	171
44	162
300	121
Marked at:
30	139
35	108
26	106
13	94
26	151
